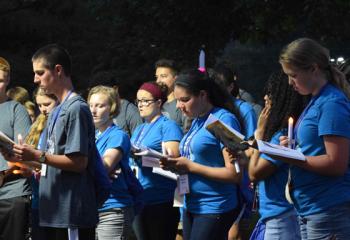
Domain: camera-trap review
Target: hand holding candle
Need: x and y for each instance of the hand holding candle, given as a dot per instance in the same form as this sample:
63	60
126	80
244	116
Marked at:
290	132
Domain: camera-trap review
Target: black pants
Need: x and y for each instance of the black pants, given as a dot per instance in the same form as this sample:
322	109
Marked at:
62	233
157	222
14	218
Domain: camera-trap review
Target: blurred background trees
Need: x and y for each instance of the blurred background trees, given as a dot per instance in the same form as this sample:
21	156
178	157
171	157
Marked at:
128	36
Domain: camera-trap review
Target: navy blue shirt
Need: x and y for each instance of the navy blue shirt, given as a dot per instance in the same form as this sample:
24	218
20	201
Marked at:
66	198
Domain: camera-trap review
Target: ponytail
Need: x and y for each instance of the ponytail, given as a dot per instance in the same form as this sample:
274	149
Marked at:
338	79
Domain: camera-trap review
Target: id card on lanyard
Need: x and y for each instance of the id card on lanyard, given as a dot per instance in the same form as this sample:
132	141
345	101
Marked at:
185	150
50	146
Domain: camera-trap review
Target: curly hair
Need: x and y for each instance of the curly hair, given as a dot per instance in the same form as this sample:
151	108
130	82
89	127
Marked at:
285	103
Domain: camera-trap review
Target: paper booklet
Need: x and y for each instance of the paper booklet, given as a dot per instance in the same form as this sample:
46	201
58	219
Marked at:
147	152
6	142
278	150
230	137
165	173
234	140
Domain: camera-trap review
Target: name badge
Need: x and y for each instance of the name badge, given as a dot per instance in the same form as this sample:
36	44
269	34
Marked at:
43	170
183	184
50	146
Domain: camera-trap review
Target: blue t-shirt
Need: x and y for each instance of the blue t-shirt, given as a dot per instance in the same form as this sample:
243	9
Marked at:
115	137
248	117
327	114
272	201
207	196
157	189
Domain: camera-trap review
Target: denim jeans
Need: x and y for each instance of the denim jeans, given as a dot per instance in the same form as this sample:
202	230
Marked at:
333	223
115	223
207	226
283	227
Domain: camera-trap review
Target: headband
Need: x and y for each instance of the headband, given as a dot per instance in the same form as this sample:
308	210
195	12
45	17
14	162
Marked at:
153	89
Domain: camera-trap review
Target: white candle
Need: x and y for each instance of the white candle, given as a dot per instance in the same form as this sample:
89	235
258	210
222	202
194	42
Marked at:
238	169
201	61
164	152
290	132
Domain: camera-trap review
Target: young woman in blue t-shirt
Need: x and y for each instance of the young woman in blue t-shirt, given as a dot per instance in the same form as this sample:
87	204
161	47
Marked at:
320	185
270	175
113	144
210	206
159	219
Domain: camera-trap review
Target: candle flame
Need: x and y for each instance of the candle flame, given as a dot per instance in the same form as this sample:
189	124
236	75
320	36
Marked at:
290	120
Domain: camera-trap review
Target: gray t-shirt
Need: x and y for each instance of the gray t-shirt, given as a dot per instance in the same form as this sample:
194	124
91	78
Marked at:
128	118
67	199
170	111
14	120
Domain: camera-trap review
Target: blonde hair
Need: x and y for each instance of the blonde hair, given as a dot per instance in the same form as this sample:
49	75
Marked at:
4	65
29	105
40	123
304	52
18	94
41	92
112	95
36	129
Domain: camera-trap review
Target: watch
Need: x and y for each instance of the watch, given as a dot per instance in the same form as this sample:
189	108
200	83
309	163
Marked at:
42	158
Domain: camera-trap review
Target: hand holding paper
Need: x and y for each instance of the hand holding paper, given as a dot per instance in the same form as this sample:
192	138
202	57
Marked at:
148	152
180	165
6	144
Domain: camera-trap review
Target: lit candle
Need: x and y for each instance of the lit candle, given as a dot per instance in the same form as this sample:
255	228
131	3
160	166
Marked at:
290	132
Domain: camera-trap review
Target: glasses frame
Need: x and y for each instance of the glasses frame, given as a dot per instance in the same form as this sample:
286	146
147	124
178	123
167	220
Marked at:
144	102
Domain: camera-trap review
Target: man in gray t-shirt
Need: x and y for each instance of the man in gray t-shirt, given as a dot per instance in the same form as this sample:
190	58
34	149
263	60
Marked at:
14	189
128	117
67	199
166	72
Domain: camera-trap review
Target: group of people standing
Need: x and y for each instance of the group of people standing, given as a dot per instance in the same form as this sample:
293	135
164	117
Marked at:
50	169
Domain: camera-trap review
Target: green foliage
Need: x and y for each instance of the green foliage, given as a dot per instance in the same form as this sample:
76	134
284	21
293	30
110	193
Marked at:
128	36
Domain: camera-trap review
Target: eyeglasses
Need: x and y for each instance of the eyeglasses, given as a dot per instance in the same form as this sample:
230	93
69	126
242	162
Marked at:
144	102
